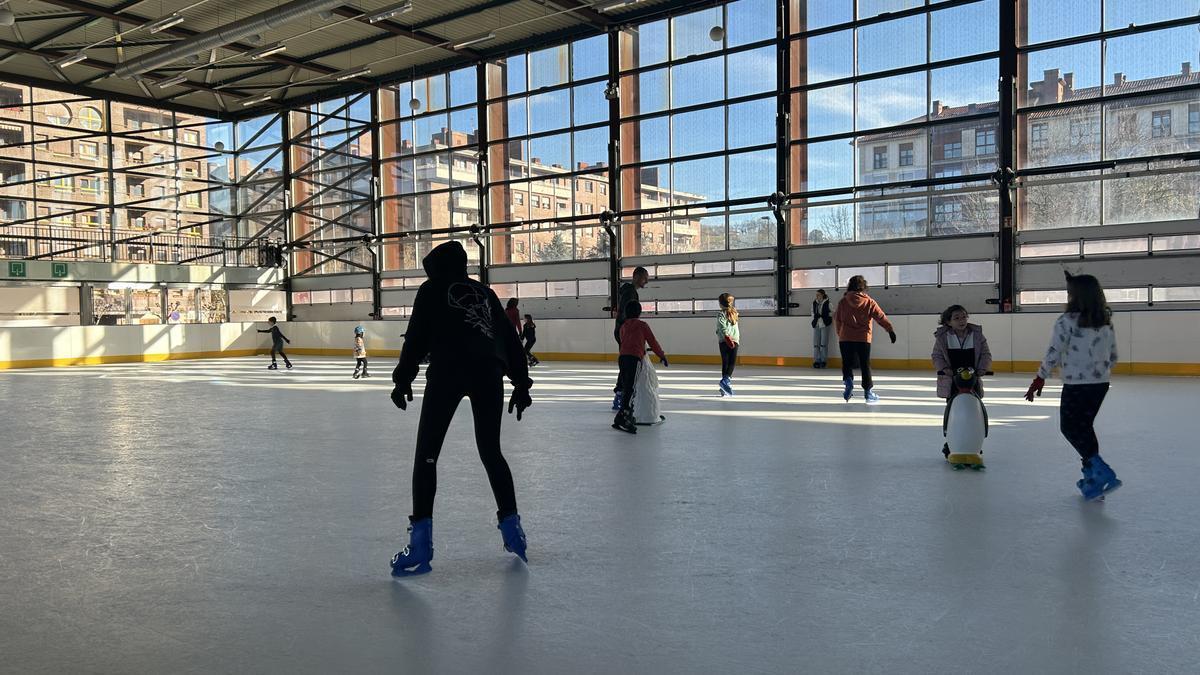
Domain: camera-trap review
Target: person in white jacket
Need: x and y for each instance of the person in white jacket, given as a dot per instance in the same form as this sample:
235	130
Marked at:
1084	348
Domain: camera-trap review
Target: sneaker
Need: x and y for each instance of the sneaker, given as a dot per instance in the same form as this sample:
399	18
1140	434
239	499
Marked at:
872	397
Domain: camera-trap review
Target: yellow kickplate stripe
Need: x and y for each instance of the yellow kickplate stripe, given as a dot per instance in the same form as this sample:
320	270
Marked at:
126	358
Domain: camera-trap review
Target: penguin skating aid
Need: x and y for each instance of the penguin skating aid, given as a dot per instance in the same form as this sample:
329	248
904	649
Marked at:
965	424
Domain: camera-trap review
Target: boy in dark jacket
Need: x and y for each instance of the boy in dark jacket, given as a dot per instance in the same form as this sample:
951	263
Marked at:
635	334
277	340
627	293
460	325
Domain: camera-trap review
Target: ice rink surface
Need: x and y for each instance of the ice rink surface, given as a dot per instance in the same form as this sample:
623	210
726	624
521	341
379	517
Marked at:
212	516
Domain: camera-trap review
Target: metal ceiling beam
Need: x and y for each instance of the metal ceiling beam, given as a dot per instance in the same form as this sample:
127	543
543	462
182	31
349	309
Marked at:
179	31
403	31
582	10
54	35
458	14
89	92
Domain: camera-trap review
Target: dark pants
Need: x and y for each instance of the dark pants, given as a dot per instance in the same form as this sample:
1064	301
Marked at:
277	348
1077	413
625	381
529	349
617	337
856	355
361	364
444	388
728	359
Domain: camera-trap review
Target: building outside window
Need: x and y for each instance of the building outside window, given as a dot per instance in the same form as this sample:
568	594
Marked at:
947	212
192	200
1085	132
1194	118
906	154
880	158
1039	136
985	142
90	118
191	137
58	114
952	150
1160	123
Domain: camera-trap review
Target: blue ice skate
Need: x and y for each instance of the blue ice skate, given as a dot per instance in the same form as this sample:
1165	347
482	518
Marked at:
726	386
415	557
514	536
1098	479
616	402
871	396
849	388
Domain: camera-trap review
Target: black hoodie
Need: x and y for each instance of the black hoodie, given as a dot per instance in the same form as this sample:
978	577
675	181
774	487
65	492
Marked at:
459	323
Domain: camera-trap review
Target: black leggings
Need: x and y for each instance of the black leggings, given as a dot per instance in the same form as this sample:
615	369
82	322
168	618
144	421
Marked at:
856	355
728	359
278	349
1077	413
444	388
529	347
361	363
625	381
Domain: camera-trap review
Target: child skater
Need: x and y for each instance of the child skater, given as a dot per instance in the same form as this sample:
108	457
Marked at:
529	332
360	353
459	324
852	322
958	344
1084	348
277	340
635	334
730	336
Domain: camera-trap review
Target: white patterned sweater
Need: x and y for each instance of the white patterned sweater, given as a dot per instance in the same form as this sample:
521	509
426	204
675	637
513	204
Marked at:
1083	355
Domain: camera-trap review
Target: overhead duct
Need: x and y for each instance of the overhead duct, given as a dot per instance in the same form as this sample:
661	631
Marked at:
227	34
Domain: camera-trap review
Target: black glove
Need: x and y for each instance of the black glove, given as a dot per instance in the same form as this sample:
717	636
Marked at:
665	362
892	335
401	394
520	400
814	322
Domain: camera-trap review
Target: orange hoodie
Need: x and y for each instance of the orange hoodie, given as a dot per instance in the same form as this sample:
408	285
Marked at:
853	317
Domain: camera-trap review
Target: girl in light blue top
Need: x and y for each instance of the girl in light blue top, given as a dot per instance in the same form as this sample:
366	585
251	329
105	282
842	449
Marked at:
731	336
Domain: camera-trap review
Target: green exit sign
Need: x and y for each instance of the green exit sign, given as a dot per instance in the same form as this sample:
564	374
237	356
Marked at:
58	270
16	268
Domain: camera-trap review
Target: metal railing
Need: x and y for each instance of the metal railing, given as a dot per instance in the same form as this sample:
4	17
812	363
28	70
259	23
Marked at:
69	242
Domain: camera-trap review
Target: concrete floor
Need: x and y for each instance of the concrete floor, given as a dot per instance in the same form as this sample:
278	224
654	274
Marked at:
211	516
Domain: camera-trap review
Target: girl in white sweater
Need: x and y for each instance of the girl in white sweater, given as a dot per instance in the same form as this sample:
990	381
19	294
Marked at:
1084	348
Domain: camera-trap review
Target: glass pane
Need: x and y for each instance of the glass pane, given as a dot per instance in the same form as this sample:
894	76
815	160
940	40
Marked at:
650	141
829	57
550	151
697	82
645	93
647	45
1067	136
1045	20
589	57
965	30
814	14
970	213
548	67
752	230
1043	207
549	111
752	174
976	272
1179	242
1059	74
591	148
752	72
873	275
593	287
912	275
1147	199
814	278
893	219
1120	13
590	106
1116	246
891	44
690	33
1177	294
698	132
1163	124
515	122
823	166
700	180
514	72
1136	62
463	87
823	112
964	90
750	21
825	224
752	123
892	100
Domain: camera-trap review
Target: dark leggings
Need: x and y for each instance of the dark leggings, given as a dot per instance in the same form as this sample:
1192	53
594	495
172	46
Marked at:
278	349
856	355
361	363
728	359
444	388
529	348
626	380
1077	413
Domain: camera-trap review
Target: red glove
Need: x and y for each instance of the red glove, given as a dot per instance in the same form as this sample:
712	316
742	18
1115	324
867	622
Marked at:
729	342
1035	388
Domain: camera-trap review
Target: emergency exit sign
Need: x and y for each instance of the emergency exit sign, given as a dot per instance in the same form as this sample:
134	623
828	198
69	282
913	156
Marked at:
58	270
16	268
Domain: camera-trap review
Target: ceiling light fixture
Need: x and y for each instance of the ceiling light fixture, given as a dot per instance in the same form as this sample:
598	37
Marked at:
71	59
474	40
172	81
165	23
269	50
614	4
246	103
351	73
388	12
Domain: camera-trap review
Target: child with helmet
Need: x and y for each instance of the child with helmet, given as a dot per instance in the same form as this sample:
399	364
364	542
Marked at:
360	353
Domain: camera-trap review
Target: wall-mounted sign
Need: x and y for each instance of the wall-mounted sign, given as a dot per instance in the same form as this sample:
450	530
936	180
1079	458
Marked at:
58	270
16	268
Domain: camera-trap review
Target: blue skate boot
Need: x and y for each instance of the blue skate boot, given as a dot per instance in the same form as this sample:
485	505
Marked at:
514	536
616	402
849	388
726	386
415	557
1098	479
871	396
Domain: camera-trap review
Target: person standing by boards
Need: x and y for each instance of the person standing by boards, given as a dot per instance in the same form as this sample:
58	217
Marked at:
821	320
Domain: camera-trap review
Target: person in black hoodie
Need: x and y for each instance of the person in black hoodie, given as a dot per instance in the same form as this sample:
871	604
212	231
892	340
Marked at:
460	325
277	340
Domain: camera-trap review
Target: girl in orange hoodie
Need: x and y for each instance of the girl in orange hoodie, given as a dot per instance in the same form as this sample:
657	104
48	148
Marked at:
852	321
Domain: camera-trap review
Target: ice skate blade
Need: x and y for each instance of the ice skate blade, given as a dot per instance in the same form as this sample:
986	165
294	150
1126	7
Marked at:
630	430
1111	487
520	555
423	568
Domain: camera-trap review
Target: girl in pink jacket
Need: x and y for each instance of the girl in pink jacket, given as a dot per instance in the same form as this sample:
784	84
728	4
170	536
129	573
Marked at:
958	344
